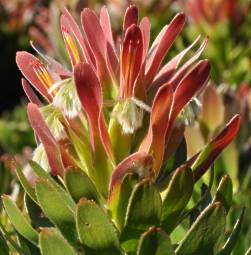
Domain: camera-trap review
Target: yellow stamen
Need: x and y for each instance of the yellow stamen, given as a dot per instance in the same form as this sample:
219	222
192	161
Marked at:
71	45
42	74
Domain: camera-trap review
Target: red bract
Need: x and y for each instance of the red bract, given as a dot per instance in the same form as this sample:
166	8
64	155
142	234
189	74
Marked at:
35	72
51	146
90	95
200	163
139	163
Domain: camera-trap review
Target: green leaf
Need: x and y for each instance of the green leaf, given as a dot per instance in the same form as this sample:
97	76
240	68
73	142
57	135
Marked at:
224	193
233	238
56	208
208	155
35	213
144	208
155	242
177	159
206	233
204	154
40	172
4	249
201	205
143	211
27	247
18	220
119	200
13	243
96	231
52	243
176	197
25	184
80	185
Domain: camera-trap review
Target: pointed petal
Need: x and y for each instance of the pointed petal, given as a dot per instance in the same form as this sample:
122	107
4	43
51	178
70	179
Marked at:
190	86
106	25
162	45
90	95
140	163
98	43
206	158
131	58
51	147
30	93
167	70
53	65
94	33
111	51
185	91
154	142
131	17
145	27
72	25
183	69
26	63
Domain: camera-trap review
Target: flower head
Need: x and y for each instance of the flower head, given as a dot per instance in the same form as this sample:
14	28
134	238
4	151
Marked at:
146	97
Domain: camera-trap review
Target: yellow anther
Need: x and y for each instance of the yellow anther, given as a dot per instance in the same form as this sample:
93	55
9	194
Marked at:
72	47
42	74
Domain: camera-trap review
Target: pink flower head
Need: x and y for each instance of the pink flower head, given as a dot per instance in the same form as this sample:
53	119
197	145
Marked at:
111	89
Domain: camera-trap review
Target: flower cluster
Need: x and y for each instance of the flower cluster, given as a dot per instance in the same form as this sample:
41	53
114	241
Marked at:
119	108
214	11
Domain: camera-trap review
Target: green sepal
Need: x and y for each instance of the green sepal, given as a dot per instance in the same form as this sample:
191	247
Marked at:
176	197
206	233
20	223
143	211
119	200
121	143
102	169
95	230
79	185
234	236
82	150
56	208
52	242
155	242
224	193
